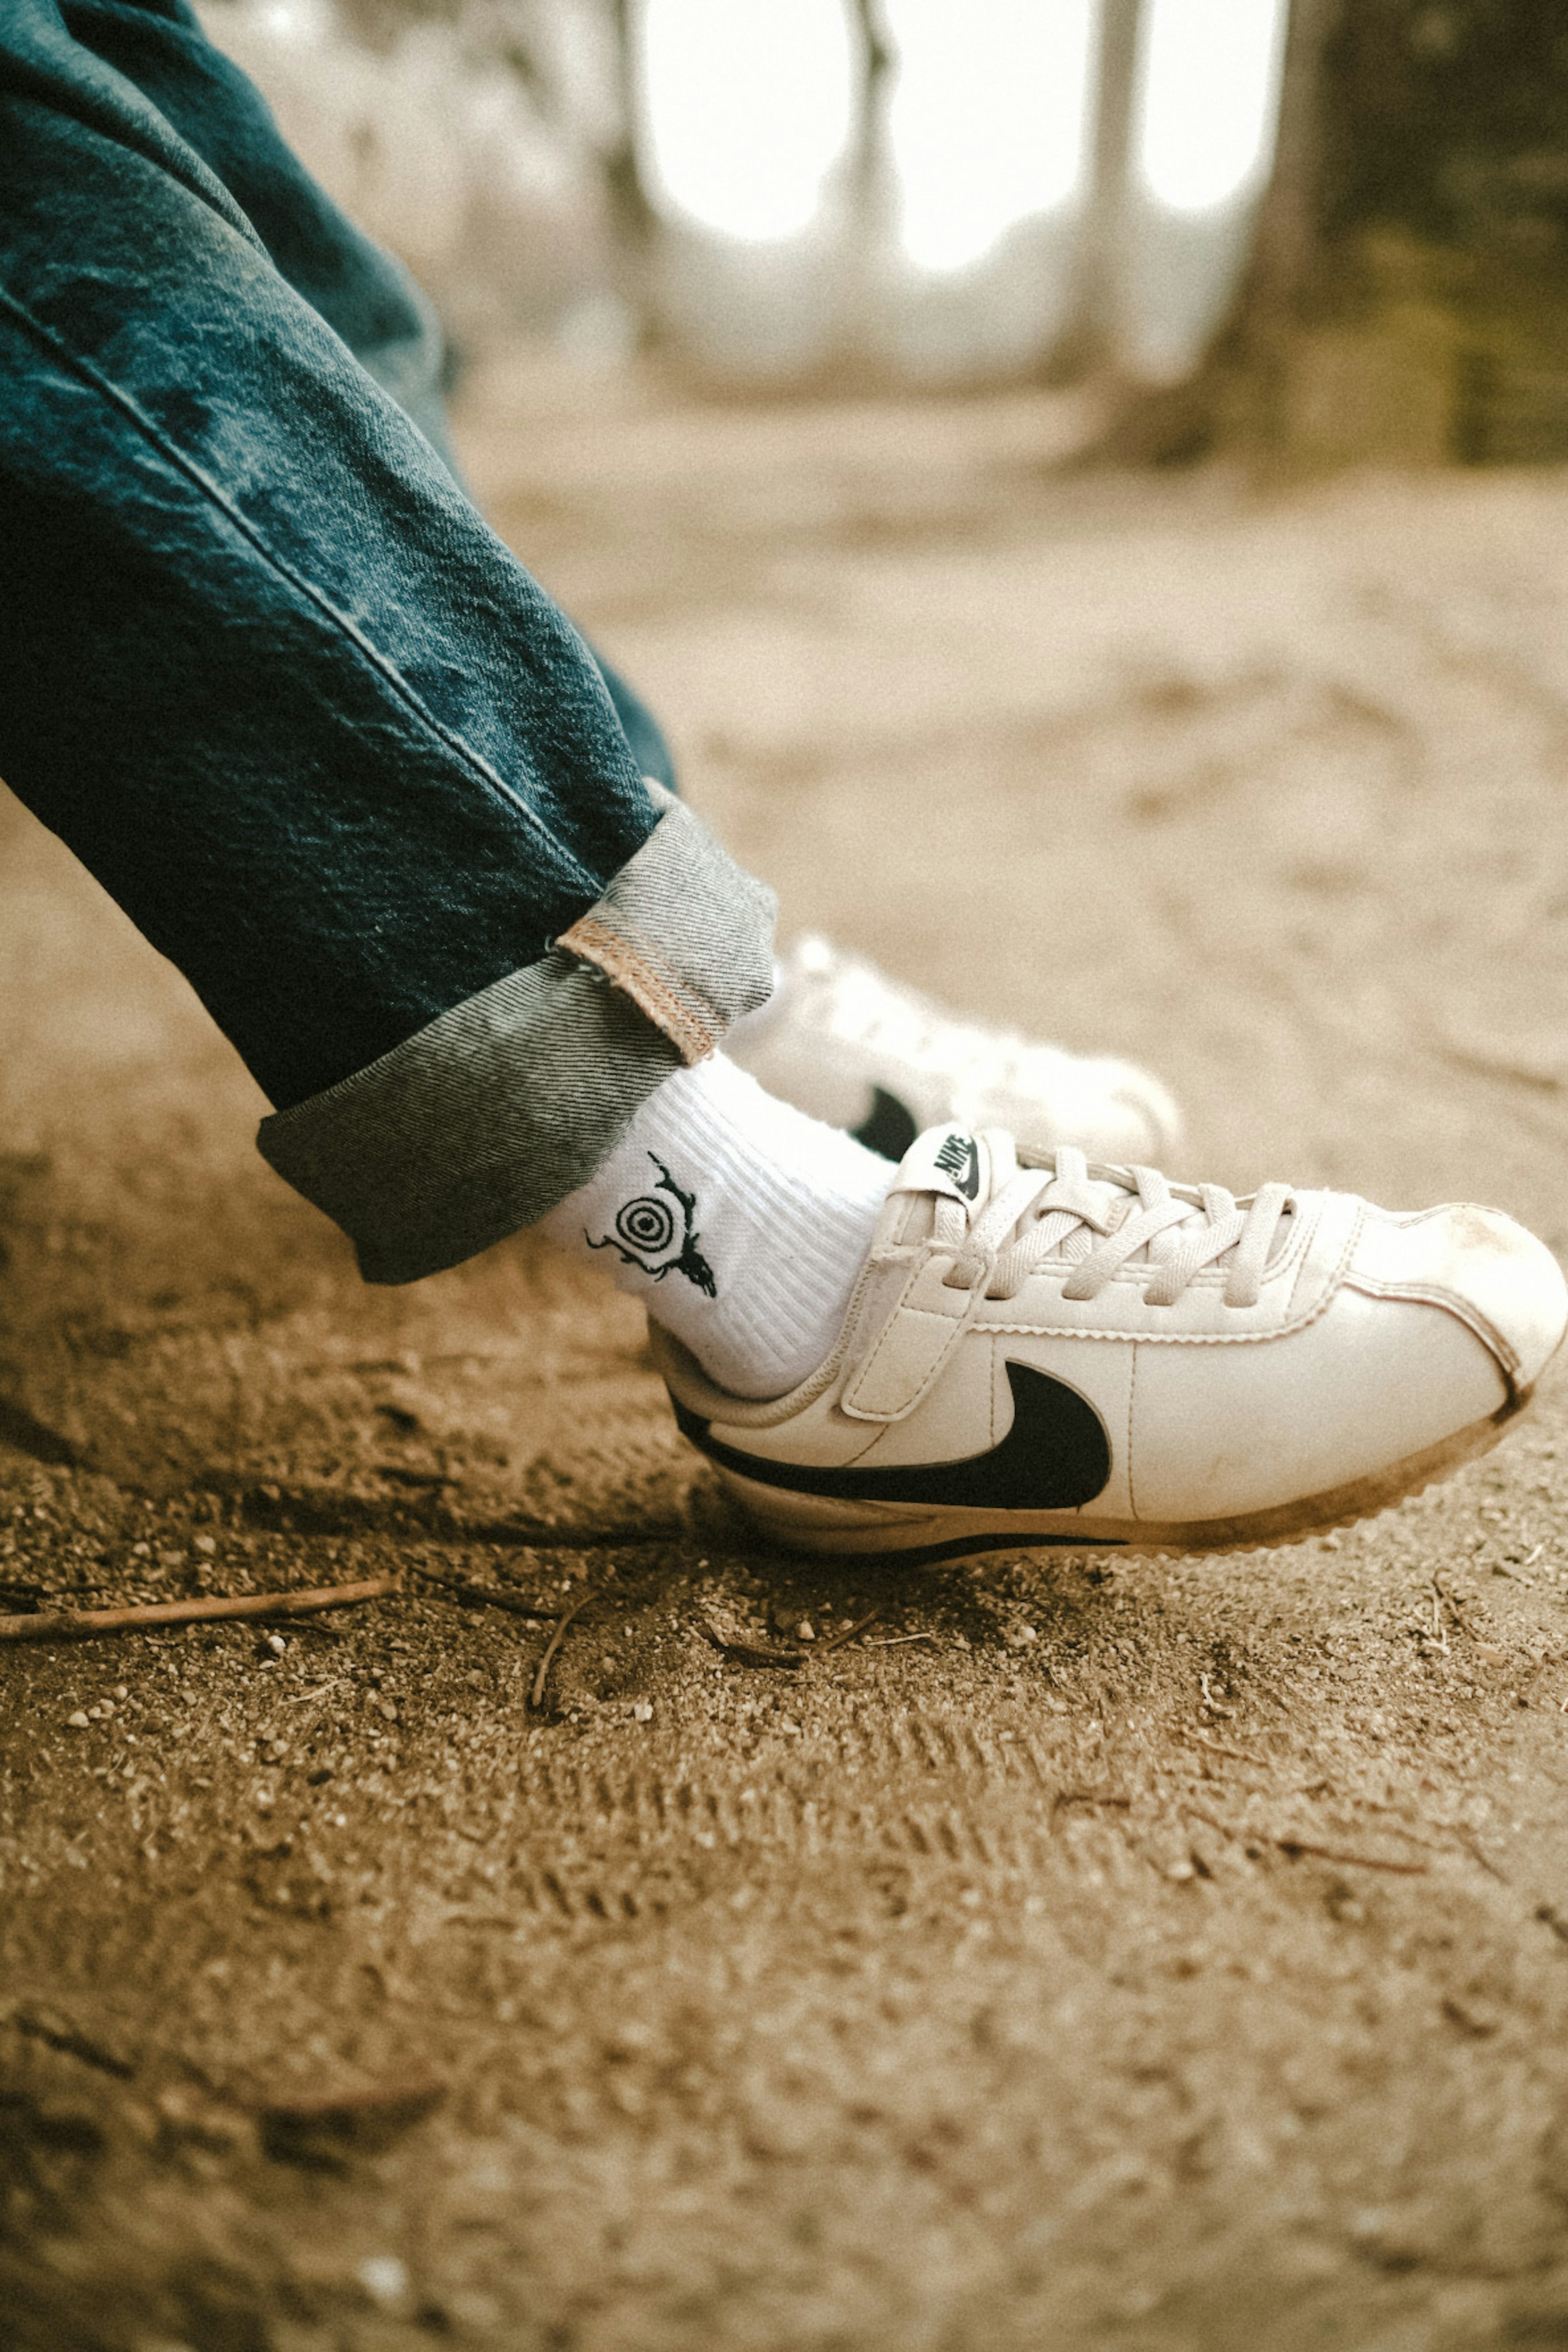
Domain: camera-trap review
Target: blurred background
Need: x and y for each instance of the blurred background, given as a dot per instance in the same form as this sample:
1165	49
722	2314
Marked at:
1364	205
1076	479
792	185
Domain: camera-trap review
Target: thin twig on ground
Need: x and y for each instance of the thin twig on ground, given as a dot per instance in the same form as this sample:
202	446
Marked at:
1295	1846
1437	1639
846	1632
751	1653
491	1596
316	1690
536	1695
1460	1615
1212	1821
746	1654
319	2130
80	1624
1474	1849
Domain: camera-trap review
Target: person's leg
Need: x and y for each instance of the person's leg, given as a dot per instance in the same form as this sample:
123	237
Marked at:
642	730
365	296
837	1037
267	672
364	293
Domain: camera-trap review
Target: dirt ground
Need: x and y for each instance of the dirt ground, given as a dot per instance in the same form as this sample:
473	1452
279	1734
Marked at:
1096	1951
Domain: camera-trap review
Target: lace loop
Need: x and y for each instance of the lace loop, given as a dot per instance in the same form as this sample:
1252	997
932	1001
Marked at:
1103	1222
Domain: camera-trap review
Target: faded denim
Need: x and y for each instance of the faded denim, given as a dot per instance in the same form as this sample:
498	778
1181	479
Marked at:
268	673
487	1118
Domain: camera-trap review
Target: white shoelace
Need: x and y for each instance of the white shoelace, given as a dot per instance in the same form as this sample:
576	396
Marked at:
1038	1213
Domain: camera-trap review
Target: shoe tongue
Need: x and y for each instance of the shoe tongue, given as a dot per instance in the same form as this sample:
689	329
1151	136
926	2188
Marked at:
951	1160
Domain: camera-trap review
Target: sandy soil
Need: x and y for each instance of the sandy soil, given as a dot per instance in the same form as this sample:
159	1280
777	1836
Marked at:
1096	1952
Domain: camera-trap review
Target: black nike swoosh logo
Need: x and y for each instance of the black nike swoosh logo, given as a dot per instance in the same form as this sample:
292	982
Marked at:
959	1160
888	1129
1055	1457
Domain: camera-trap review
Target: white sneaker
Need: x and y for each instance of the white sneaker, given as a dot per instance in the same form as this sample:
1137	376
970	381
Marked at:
842	1041
1056	1352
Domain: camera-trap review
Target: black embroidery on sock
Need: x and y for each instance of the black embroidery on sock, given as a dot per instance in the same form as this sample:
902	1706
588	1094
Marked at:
646	1233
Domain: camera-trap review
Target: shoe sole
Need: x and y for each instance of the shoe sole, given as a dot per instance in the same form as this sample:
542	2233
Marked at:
812	1523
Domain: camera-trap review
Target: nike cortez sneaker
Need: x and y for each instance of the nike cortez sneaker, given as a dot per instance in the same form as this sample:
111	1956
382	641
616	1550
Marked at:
1043	1350
842	1041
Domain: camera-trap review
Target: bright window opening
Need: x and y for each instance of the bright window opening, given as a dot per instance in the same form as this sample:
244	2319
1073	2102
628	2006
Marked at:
1208	96
988	121
748	106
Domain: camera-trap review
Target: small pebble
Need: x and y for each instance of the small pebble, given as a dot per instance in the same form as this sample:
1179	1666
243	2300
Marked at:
642	1712
383	2278
120	1691
806	1631
77	1722
276	1644
206	1544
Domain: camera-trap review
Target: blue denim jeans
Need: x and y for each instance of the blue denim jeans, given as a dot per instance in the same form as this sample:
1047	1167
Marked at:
272	677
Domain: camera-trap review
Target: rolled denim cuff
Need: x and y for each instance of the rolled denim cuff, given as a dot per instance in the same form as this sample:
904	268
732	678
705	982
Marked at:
481	1122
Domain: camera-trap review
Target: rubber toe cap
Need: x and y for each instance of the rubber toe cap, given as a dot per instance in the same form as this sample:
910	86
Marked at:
1480	1266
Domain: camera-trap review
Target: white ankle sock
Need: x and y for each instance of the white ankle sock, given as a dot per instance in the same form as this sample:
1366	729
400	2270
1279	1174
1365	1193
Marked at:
741	1223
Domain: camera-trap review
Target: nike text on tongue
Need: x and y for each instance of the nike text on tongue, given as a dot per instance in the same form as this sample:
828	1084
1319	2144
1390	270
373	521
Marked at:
944	1160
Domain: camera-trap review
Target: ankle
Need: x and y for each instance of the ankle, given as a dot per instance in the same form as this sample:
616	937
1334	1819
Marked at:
740	1222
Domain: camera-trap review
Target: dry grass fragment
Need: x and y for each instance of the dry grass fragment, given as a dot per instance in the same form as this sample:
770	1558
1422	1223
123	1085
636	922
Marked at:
536	1695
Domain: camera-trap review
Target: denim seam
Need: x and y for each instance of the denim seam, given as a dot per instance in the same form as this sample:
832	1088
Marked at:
385	668
488	1118
632	967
